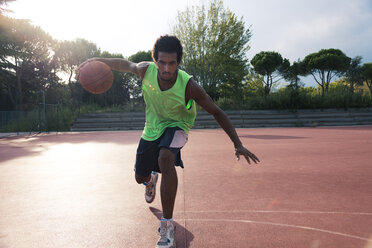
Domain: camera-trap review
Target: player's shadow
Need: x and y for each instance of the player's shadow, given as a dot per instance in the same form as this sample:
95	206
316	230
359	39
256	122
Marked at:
271	137
183	236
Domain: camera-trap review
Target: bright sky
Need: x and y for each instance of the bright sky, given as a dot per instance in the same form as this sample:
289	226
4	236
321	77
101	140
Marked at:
294	28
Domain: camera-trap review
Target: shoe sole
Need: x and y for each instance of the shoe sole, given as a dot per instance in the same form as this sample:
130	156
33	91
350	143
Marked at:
174	243
173	246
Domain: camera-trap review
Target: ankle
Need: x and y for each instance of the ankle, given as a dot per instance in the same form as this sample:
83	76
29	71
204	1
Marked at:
165	219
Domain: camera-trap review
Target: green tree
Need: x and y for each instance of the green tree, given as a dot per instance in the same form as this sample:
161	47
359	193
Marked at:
141	56
215	43
254	86
294	88
271	66
293	72
353	73
325	65
135	84
366	72
70	54
122	86
24	49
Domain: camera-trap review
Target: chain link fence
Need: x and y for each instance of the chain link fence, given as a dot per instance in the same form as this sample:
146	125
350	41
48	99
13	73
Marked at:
45	118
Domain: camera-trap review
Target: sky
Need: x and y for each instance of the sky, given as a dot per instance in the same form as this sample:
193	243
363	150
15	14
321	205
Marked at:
294	28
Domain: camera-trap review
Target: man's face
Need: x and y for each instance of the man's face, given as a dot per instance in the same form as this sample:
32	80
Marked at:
167	66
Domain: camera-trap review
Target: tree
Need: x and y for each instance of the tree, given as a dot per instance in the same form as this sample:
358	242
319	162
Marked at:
140	56
70	54
122	86
325	65
254	86
353	73
271	66
292	75
23	48
293	72
4	3
135	84
366	72
215	43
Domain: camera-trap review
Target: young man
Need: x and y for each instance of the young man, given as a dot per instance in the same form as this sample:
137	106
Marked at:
169	94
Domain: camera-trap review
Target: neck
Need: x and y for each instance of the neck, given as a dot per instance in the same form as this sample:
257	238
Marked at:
167	84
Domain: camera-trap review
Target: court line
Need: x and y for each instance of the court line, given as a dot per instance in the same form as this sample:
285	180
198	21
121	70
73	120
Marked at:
272	212
184	209
283	225
279	211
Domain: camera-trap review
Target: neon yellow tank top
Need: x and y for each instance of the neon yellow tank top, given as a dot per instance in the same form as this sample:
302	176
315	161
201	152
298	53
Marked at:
166	108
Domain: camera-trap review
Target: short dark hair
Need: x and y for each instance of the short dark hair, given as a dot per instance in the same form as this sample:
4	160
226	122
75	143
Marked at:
168	44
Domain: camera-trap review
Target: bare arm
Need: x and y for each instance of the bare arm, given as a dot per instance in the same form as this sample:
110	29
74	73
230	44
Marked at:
122	65
196	92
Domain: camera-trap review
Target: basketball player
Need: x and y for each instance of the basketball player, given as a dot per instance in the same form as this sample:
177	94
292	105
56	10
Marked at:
170	95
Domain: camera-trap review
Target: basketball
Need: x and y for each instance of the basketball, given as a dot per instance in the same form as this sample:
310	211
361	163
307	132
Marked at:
96	77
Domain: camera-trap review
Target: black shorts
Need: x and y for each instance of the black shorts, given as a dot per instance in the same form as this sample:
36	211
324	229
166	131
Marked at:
173	138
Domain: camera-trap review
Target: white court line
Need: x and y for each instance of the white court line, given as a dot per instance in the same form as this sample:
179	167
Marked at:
272	212
280	211
283	225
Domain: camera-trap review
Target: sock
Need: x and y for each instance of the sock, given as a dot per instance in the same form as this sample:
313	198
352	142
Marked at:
164	219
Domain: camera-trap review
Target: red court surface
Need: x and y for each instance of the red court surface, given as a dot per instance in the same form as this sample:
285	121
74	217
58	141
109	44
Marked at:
312	189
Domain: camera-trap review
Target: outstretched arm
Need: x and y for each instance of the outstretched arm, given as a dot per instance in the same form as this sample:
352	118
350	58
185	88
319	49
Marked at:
122	65
196	92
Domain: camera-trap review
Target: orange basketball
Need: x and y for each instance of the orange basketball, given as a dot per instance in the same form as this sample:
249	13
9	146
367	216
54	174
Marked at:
96	77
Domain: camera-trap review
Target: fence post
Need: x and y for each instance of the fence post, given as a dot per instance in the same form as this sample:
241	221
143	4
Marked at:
42	116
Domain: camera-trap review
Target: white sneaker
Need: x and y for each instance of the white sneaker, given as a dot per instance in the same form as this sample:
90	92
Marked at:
167	235
151	188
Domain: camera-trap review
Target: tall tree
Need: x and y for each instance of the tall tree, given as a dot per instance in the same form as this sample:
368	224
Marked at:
353	73
325	65
293	72
23	47
292	75
366	72
254	85
271	66
215	43
70	54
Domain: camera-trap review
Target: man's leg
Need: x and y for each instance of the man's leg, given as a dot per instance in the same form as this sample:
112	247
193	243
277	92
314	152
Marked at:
169	182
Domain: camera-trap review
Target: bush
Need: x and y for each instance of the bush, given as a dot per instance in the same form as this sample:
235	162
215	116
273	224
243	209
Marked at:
302	98
56	118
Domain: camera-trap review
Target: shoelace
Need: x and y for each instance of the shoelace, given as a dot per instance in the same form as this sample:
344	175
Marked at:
149	189
163	232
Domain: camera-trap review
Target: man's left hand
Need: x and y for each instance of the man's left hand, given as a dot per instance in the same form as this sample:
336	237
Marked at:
241	150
